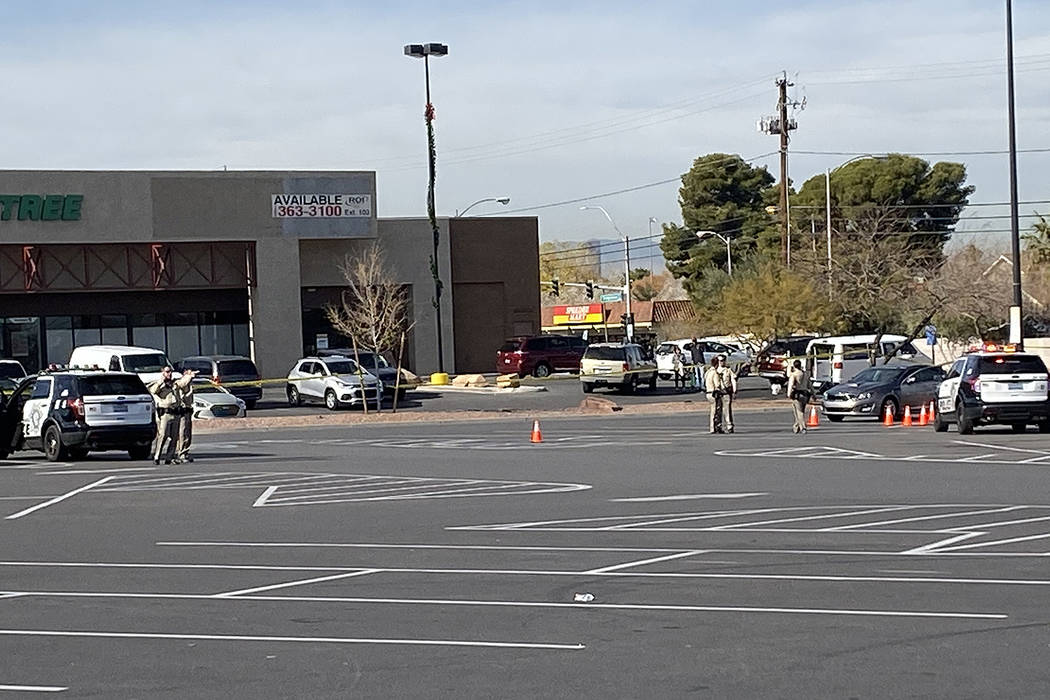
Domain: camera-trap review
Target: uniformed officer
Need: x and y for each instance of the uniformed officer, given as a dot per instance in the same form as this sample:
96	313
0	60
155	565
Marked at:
714	389
165	391
728	377
799	392
184	409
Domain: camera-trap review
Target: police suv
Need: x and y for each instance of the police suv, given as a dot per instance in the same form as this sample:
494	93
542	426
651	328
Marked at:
67	413
994	386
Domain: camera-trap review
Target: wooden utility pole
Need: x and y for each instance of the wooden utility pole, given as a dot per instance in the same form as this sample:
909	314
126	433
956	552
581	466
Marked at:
781	125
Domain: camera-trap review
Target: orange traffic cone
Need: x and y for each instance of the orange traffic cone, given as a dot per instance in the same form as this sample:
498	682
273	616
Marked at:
907	416
932	412
813	421
923	418
537	436
887	419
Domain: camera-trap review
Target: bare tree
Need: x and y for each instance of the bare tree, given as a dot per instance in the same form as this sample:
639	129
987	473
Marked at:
374	310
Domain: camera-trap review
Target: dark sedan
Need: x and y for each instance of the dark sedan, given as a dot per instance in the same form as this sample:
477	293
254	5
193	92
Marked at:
873	390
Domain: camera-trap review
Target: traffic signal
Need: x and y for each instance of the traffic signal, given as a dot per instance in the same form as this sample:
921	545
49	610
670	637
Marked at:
590	289
555	287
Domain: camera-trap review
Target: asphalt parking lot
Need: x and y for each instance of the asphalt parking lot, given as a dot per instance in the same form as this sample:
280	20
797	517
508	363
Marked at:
456	559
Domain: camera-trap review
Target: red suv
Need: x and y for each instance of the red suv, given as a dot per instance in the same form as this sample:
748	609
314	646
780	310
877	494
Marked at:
539	355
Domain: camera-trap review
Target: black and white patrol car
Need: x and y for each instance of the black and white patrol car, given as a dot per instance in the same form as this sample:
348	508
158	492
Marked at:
67	413
994	387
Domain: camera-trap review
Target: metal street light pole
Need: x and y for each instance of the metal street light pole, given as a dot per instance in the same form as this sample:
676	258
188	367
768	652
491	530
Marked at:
729	253
1016	318
627	268
425	51
501	200
652	220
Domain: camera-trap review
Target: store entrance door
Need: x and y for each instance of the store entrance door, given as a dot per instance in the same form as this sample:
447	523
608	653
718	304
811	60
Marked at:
20	340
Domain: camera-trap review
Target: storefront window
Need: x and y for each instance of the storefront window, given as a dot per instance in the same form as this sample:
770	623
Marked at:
240	339
114	330
147	331
86	330
59	332
182	335
20	340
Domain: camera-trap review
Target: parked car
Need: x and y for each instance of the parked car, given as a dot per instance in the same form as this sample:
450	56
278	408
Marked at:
772	361
337	381
11	372
875	390
994	387
376	365
540	355
228	369
736	359
211	401
835	359
614	365
67	413
145	362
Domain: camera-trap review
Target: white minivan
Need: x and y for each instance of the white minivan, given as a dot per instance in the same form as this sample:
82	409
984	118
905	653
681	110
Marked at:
145	362
836	359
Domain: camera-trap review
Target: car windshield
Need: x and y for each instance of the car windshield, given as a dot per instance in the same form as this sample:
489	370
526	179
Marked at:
666	348
153	362
9	370
232	367
878	375
370	360
510	345
1011	364
206	389
110	384
598	352
342	367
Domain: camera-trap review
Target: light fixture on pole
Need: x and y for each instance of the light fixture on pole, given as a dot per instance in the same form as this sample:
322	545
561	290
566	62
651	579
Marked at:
501	200
629	329
652	220
725	239
425	51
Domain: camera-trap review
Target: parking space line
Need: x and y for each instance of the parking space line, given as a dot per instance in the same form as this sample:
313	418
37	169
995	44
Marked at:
303	640
685	497
57	499
35	688
643	562
917	518
301	582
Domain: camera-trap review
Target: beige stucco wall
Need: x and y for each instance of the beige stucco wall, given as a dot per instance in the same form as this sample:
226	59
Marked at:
407	245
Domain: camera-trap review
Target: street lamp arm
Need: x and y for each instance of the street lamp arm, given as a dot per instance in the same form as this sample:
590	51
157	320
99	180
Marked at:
501	200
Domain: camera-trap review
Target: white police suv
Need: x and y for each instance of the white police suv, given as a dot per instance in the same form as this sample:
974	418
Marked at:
67	413
994	386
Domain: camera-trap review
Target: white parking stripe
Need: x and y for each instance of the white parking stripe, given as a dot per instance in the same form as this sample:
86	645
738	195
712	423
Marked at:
643	562
35	688
57	499
303	640
300	582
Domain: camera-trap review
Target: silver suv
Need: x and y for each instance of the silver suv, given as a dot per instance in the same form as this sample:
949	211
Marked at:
988	388
337	381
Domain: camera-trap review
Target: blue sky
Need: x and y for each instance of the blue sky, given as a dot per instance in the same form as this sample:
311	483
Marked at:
552	104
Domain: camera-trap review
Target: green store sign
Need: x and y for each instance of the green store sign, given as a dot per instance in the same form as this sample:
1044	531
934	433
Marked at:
40	207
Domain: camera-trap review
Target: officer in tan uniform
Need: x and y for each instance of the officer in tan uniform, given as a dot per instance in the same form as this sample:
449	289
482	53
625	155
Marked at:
184	409
165	391
713	387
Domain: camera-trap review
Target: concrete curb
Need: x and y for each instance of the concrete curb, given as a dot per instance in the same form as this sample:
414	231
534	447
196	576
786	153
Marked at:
328	420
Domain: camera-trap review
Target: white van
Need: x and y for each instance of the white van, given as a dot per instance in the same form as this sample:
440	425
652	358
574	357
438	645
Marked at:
145	362
834	360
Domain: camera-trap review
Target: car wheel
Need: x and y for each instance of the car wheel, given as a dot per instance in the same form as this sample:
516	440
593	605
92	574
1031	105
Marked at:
587	387
250	404
54	450
628	385
331	402
138	452
293	396
541	370
78	452
939	424
892	405
964	423
1044	427
652	382
1018	427
836	419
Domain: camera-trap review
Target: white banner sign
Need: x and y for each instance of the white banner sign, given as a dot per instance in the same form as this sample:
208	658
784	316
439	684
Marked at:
321	206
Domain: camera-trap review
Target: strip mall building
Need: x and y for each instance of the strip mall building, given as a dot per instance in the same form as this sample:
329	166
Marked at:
188	262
